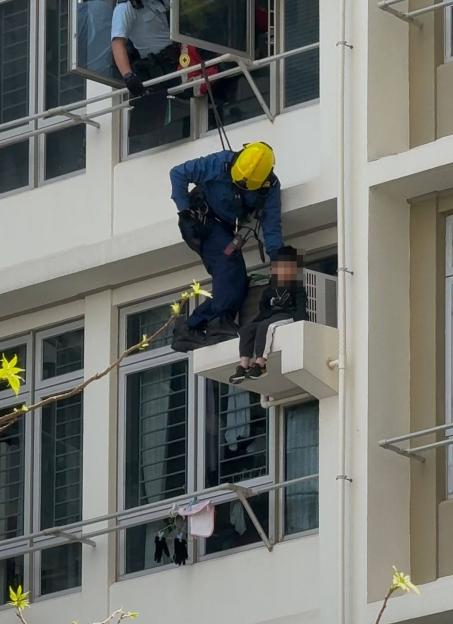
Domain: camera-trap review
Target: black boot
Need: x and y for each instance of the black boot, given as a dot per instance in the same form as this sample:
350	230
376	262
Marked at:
220	329
185	338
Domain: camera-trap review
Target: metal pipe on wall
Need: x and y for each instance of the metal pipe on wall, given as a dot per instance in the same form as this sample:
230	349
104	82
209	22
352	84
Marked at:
341	476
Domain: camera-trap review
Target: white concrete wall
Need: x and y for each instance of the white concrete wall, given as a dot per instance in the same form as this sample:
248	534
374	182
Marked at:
251	587
113	199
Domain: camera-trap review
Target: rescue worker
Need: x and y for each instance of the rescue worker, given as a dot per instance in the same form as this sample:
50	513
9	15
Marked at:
235	187
145	25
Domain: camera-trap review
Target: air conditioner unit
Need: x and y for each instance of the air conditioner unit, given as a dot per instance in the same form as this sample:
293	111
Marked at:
321	297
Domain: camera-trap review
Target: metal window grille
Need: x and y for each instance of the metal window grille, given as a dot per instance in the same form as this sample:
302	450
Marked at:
12	448
62	354
14	59
243	435
61	482
162	432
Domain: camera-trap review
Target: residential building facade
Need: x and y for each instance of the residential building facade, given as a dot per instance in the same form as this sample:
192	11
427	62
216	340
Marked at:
92	258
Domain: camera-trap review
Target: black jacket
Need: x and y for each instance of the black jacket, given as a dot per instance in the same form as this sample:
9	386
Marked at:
291	301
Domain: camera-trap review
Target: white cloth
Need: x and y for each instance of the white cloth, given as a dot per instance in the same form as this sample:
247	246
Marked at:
147	28
201	518
270	335
237	517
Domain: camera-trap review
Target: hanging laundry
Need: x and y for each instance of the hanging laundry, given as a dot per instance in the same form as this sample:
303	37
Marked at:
237	517
180	550
201	518
160	547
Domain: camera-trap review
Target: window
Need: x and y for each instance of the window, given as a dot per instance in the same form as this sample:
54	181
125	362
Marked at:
30	83
157	391
14	88
301	72
301	459
216	25
253	29
181	434
42	470
236	430
12	497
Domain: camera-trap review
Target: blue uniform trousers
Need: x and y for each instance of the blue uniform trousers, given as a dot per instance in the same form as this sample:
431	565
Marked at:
229	278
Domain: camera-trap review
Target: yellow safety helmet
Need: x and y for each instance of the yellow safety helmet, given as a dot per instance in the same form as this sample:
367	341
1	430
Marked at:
252	166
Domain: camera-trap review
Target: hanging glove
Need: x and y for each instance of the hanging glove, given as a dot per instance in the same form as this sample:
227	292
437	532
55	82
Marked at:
134	84
160	547
181	555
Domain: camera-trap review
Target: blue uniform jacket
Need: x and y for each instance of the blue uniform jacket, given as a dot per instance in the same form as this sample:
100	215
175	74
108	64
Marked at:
212	174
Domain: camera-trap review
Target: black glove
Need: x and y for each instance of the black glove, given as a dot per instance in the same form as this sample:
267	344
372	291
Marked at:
181	555
161	547
134	84
191	230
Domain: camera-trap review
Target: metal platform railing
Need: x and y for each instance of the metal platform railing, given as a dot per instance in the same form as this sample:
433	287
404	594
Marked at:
74	118
410	16
392	443
57	536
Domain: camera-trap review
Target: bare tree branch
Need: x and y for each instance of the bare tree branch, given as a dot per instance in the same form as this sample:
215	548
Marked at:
384	606
8	419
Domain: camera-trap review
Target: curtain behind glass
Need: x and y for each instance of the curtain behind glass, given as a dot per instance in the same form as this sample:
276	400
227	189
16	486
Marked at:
302	459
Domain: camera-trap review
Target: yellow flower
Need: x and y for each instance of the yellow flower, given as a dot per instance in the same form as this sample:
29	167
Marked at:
9	371
198	290
144	344
185	295
403	581
132	614
18	599
175	308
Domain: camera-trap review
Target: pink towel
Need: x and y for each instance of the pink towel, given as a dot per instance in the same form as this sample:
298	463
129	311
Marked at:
201	518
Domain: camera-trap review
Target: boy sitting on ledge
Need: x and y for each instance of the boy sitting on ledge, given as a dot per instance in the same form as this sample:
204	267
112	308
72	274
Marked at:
282	302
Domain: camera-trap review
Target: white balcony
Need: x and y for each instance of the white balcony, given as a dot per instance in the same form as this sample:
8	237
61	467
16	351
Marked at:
298	363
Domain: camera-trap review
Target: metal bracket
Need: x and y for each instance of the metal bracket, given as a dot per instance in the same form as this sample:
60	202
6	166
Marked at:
256	91
71	537
345	270
82	119
242	494
400	15
345	43
343	478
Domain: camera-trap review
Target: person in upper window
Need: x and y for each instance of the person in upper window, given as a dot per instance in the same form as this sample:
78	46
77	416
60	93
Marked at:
236	188
145	25
284	300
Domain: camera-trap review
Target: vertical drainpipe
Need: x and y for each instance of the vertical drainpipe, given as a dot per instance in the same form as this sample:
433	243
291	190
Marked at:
341	476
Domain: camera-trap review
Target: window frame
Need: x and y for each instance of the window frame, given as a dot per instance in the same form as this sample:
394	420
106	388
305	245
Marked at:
226	497
40	336
175	34
199	105
282	535
449	349
36	103
30	125
136	363
12	402
42	393
10	343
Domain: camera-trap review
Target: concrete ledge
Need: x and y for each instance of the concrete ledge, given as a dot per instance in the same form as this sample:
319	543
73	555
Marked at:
298	362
